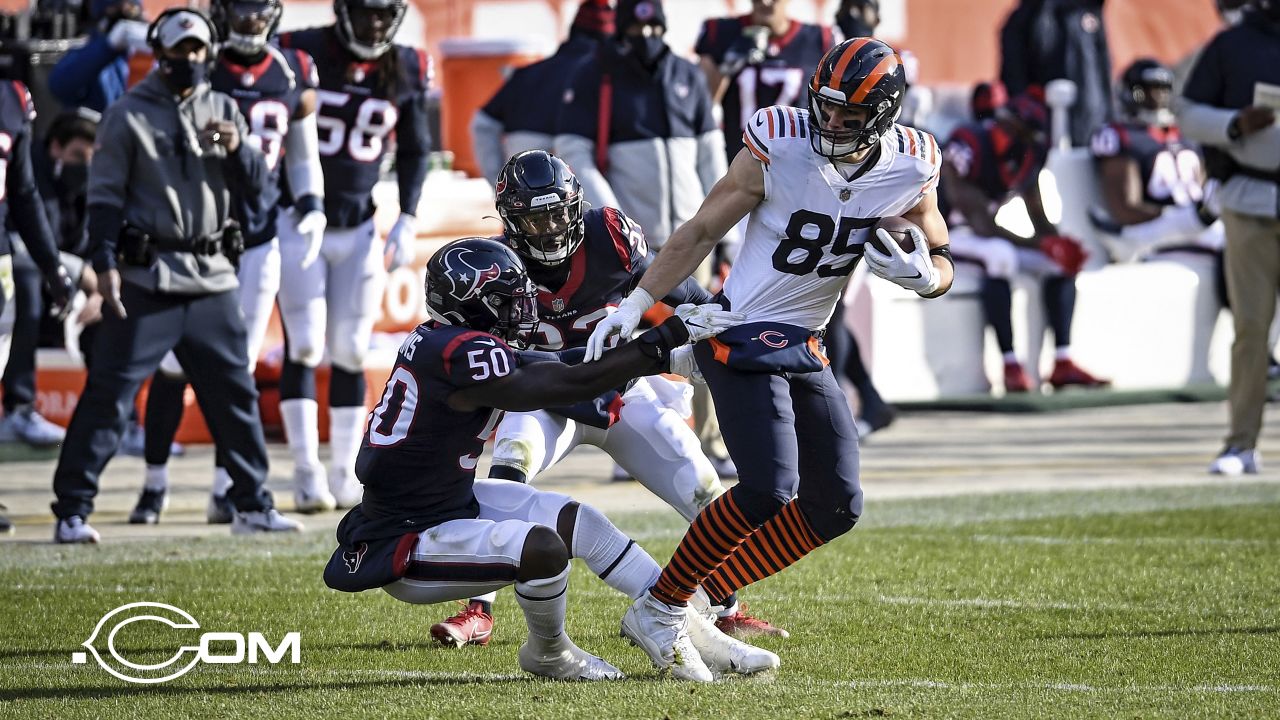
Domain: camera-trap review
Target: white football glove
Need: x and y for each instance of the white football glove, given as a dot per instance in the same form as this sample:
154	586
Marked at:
401	240
705	321
311	227
684	364
622	322
911	270
128	35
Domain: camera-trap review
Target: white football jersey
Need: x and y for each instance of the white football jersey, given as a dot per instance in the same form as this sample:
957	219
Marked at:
806	236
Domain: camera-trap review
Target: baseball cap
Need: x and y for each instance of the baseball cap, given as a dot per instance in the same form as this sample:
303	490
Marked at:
173	28
646	12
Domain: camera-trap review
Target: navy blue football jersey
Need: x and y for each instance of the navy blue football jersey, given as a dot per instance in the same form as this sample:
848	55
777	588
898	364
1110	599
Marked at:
780	80
268	94
984	154
418	459
1170	168
359	117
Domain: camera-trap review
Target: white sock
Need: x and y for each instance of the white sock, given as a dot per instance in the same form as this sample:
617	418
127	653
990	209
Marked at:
616	558
487	597
727	610
157	478
221	481
346	430
543	603
302	429
1010	358
1062	353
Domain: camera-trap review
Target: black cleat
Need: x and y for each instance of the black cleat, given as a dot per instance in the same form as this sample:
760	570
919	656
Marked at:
150	504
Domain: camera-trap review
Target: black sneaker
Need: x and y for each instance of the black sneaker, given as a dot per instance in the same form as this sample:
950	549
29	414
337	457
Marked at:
6	527
150	504
219	510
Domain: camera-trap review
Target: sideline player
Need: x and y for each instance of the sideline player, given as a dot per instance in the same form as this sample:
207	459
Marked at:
427	531
814	182
275	90
370	89
584	262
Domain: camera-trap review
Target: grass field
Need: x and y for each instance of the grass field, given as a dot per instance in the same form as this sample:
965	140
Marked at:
1134	604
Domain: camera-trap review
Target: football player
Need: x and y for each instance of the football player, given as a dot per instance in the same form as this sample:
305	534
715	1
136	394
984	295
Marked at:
428	531
988	163
1152	181
757	60
584	261
370	89
814	182
275	89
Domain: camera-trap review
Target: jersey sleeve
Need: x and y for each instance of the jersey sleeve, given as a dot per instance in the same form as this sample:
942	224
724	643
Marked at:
1108	141
710	40
471	357
758	134
304	69
962	154
628	238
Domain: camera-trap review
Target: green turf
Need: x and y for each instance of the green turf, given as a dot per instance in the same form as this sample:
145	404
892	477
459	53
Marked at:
1117	604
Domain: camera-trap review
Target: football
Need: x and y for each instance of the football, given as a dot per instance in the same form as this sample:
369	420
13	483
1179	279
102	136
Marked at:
897	229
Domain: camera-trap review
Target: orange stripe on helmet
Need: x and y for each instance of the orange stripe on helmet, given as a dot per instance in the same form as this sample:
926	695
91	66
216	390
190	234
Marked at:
886	66
844	61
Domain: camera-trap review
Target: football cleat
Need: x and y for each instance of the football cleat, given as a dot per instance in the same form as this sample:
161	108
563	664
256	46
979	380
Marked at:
724	654
568	662
741	625
24	424
1015	378
1236	461
6	525
309	495
471	626
662	632
74	530
1066	372
219	510
150	504
263	521
346	490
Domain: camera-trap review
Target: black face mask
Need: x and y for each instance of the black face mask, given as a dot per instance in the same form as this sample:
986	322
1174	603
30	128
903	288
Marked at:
646	50
183	74
72	182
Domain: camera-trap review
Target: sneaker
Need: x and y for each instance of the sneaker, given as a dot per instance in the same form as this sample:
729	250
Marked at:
722	653
309	496
262	521
150	504
1236	461
741	625
568	662
24	424
6	525
724	467
471	626
662	632
134	443
1066	372
74	530
347	491
219	510
1015	378
620	474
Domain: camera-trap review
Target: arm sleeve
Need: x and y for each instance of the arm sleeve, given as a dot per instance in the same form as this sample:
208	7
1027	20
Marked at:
302	157
74	78
413	138
104	224
28	214
486	141
109	176
246	168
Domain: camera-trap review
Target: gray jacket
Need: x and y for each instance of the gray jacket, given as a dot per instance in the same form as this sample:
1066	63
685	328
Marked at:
150	171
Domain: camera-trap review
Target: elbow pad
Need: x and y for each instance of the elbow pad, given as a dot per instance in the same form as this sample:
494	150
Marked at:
302	158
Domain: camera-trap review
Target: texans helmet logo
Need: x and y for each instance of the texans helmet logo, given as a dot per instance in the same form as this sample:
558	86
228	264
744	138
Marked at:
466	278
353	558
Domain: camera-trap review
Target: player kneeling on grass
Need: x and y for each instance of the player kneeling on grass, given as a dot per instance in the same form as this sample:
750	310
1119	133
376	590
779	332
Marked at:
428	531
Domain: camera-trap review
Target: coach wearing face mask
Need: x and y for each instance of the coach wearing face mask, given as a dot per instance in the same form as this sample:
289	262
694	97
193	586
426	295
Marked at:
636	126
169	154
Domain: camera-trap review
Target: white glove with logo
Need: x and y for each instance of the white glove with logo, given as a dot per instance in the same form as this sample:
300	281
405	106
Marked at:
622	323
311	227
705	321
684	364
128	35
400	241
911	270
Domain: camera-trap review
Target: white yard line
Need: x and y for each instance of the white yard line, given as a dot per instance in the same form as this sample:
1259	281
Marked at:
1061	687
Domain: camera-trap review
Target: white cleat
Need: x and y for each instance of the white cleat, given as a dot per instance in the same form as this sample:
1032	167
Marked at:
263	521
661	631
309	495
74	530
1235	461
346	490
570	662
724	654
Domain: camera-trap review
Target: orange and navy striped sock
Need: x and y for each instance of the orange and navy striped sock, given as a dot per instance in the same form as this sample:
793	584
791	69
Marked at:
715	533
775	546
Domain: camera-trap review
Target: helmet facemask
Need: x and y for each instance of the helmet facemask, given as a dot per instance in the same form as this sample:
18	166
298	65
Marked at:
548	235
856	135
242	17
347	25
516	313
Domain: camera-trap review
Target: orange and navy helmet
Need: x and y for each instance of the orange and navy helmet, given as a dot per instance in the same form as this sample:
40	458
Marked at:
857	73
